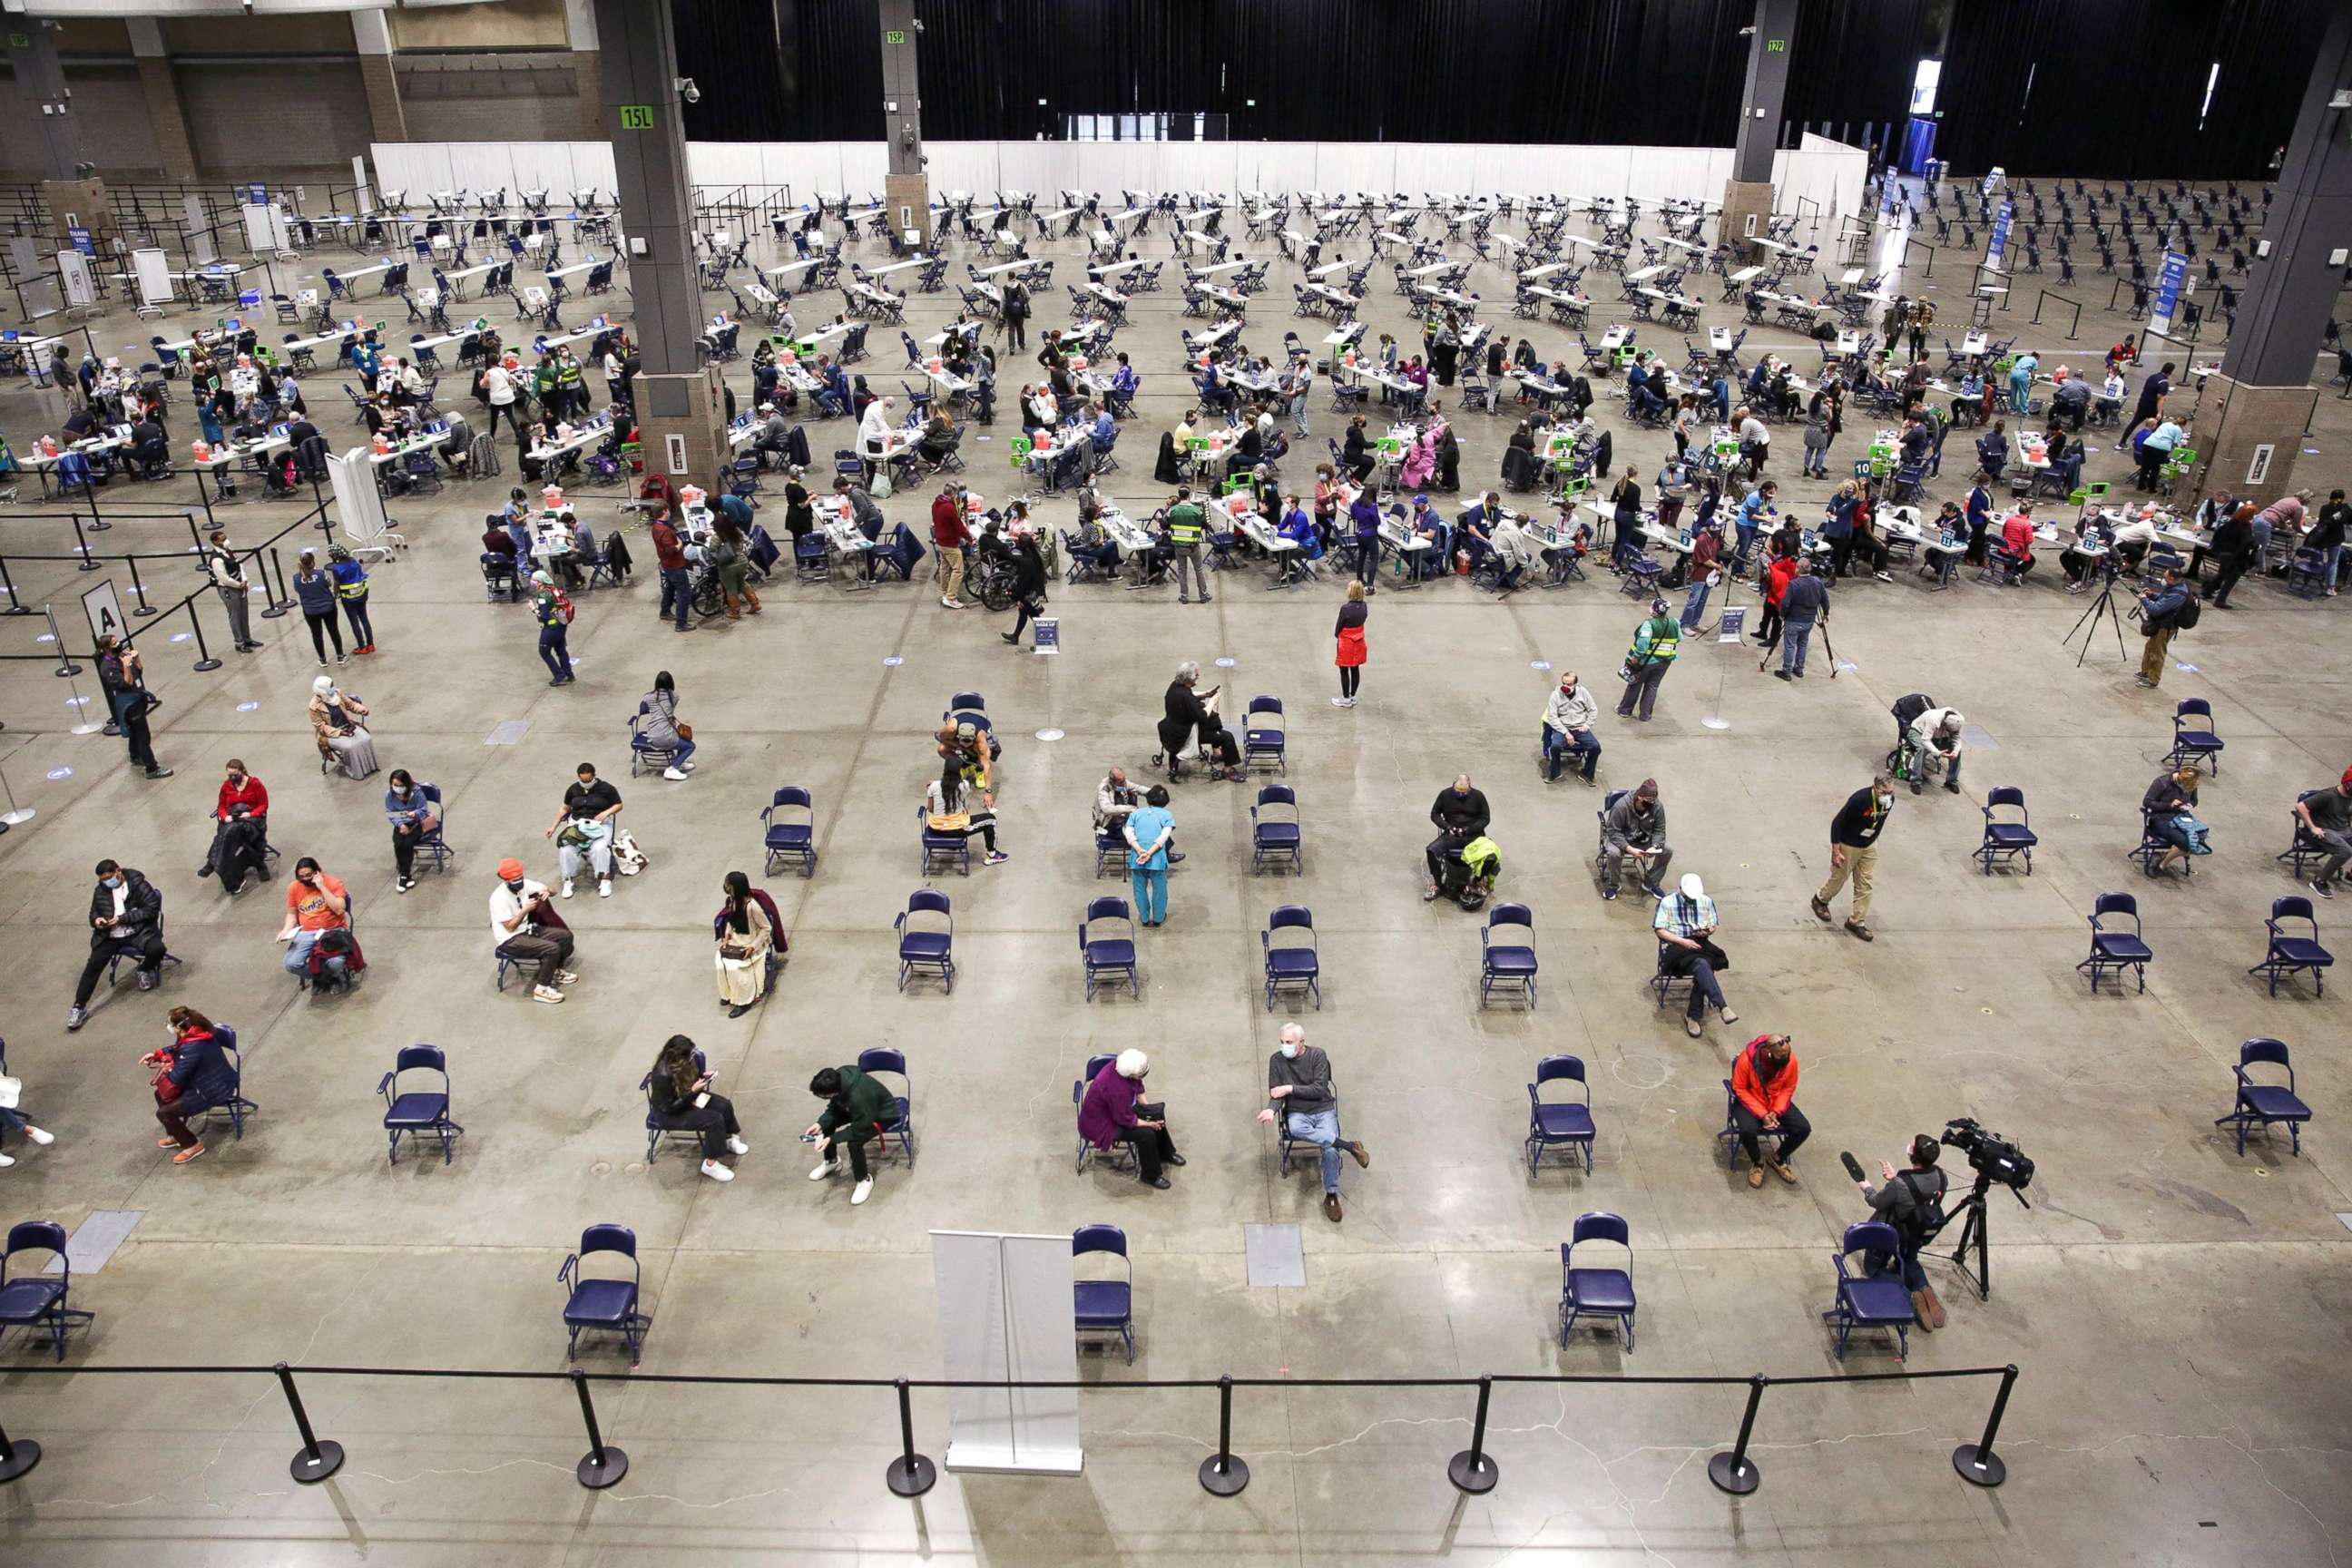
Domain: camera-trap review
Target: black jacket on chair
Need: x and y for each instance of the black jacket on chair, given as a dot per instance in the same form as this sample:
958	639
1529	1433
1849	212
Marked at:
141	911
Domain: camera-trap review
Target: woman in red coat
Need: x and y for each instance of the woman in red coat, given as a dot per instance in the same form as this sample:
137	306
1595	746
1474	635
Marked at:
1350	635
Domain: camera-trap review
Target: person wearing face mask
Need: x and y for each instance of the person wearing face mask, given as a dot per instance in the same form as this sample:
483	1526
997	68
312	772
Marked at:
1764	1099
228	577
1853	851
242	799
1113	1112
1298	1082
1686	924
413	814
1568	731
525	927
192	1075
126	920
318	916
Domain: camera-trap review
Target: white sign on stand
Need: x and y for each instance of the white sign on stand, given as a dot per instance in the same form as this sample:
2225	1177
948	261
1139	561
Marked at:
1005	1317
73	267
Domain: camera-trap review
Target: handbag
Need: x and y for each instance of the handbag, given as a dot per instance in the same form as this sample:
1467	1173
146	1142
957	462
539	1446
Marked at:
950	820
685	731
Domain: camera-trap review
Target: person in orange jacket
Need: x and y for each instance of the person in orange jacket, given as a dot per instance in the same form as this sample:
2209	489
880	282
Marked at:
1763	1099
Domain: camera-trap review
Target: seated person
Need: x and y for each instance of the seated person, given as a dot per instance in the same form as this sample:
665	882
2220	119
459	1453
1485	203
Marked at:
1188	711
2081	559
242	798
1763	1095
583	828
953	805
1686	924
1459	814
318	920
1298	1082
678	1097
2170	807
524	926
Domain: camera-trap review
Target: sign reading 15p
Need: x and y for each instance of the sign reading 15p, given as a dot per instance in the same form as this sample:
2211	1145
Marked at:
636	117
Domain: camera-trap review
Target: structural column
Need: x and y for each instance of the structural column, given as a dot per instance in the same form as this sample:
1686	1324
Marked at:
2252	416
681	404
907	187
174	151
1748	194
386	120
70	187
587	66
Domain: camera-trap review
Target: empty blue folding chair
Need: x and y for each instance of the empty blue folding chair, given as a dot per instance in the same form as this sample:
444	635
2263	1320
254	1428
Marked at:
2289	954
1105	1306
922	944
901	1123
791	824
1867	1300
1291	954
2265	1104
1275	831
1560	1120
2116	950
2004	839
1510	962
1107	957
607	1305
417	1112
35	1301
2193	736
1266	734
1597	1292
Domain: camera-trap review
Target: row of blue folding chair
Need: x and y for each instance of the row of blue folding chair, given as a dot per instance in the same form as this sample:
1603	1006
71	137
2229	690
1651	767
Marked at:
2118	944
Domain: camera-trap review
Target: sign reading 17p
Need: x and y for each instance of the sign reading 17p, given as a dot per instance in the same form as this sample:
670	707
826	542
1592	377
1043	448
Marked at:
636	117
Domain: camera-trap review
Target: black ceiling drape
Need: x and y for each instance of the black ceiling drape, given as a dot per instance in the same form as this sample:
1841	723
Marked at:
780	70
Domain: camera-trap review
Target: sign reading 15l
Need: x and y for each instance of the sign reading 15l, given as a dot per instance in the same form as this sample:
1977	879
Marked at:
894	35
636	117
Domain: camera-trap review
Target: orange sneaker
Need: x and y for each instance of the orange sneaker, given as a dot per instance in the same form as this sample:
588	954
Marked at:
184	1155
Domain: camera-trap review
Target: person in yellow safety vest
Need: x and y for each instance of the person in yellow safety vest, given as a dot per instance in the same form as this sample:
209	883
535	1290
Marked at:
1184	522
568	385
1656	643
352	588
543	387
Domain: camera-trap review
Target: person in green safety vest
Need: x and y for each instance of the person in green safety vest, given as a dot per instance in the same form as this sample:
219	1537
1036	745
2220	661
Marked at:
1656	643
1185	519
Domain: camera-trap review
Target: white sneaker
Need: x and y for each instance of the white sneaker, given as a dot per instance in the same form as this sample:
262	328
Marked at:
717	1171
565	977
737	1146
6	1161
1884	578
1338	703
38	1136
953	603
862	1191
673	773
822	1172
567	886
547	993
604	887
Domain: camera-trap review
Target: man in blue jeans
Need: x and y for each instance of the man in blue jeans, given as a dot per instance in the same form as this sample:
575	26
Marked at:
1802	605
1911	1202
1568	731
1298	1082
1755	511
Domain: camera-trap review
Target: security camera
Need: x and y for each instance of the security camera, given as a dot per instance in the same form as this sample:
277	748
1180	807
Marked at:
687	90
918	24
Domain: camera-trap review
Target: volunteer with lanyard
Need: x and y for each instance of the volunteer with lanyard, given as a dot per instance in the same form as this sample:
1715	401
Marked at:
1656	643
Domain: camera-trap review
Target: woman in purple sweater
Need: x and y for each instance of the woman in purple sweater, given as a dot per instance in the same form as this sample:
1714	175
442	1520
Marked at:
1112	1112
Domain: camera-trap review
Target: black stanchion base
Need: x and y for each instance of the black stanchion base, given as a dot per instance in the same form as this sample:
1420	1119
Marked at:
15	610
1988	1471
25	1456
1739	1478
596	1476
272	615
66	671
911	1475
1225	1482
145	610
309	1471
87	566
1475	1477
207	664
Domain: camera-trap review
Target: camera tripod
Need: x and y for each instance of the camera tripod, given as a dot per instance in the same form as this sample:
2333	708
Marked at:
1977	1232
2090	619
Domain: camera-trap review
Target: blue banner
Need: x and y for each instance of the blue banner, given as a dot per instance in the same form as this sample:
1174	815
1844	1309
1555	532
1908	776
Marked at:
2000	235
81	239
2167	294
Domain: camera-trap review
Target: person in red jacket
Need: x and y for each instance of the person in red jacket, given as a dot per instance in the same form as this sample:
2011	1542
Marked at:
1763	1099
676	587
949	535
240	793
1777	578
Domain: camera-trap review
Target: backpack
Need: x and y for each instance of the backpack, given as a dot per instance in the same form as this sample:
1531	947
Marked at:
562	604
1927	1212
2186	618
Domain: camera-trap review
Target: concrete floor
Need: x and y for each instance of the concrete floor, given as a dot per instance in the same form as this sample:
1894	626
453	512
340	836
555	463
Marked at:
2178	1313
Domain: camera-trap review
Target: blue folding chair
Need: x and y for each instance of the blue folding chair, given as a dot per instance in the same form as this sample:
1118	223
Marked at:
1509	964
1729	1136
1105	1306
942	847
1296	960
1597	1292
1107	958
2302	849
2265	1104
2002	840
2288	955
607	1305
901	1123
1560	1120
414	1113
790	836
1276	831
930	950
1867	1300
434	840
1110	852
655	1130
2198	745
643	754
2116	950
38	1302
1266	734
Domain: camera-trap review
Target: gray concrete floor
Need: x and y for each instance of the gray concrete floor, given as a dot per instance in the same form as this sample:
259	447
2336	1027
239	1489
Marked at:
2178	1313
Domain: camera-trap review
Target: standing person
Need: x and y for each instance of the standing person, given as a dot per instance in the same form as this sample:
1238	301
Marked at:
677	586
122	680
729	554
412	815
1777	578
1911	1202
526	928
1978	511
948	537
1364	512
1298	1082
126	920
192	1075
1626	500
661	730
1567	724
1764	1099
1853	851
352	588
552	611
856	1109
228	577
1350	631
678	1094
1113	1112
1028	584
2328	536
1149	830
1707	549
497	386
315	589
1656	643
1185	521
2152	392
1016	315
745	936
2169	609
316	904
1804	602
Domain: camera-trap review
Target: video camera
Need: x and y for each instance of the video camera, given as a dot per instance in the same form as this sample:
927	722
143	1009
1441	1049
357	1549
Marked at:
1992	1156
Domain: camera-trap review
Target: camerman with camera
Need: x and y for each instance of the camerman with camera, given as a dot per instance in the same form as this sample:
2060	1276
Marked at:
1911	1202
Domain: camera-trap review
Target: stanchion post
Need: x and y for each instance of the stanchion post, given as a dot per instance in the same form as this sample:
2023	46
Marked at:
1976	1463
910	1474
1225	1473
601	1466
275	601
319	1460
1735	1472
81	545
98	523
1471	1470
139	589
204	660
17	606
18	1457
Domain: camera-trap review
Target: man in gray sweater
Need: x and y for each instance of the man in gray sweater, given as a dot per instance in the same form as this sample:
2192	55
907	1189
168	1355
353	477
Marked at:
1298	1082
1636	824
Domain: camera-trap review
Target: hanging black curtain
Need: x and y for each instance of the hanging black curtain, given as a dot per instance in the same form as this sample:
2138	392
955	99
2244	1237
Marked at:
1852	64
780	70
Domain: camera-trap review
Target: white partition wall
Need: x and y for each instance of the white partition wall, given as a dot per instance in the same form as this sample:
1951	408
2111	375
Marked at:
1005	1316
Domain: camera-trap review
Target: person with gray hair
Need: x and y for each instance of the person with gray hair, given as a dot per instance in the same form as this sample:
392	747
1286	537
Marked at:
1188	711
1298	1082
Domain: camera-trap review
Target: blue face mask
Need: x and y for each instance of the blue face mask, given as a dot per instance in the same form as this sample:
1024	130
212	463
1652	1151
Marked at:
1290	1048
114	882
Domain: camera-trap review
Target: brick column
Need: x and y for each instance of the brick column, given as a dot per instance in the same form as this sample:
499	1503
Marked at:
175	154
373	34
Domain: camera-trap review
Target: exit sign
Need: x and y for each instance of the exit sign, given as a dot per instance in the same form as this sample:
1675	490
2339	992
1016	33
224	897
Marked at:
1776	45
895	36
636	117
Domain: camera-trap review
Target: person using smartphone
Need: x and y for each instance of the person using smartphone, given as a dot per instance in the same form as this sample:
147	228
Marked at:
524	926
316	904
679	1094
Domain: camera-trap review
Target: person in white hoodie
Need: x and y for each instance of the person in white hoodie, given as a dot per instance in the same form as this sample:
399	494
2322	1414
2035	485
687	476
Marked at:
1936	735
1568	730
